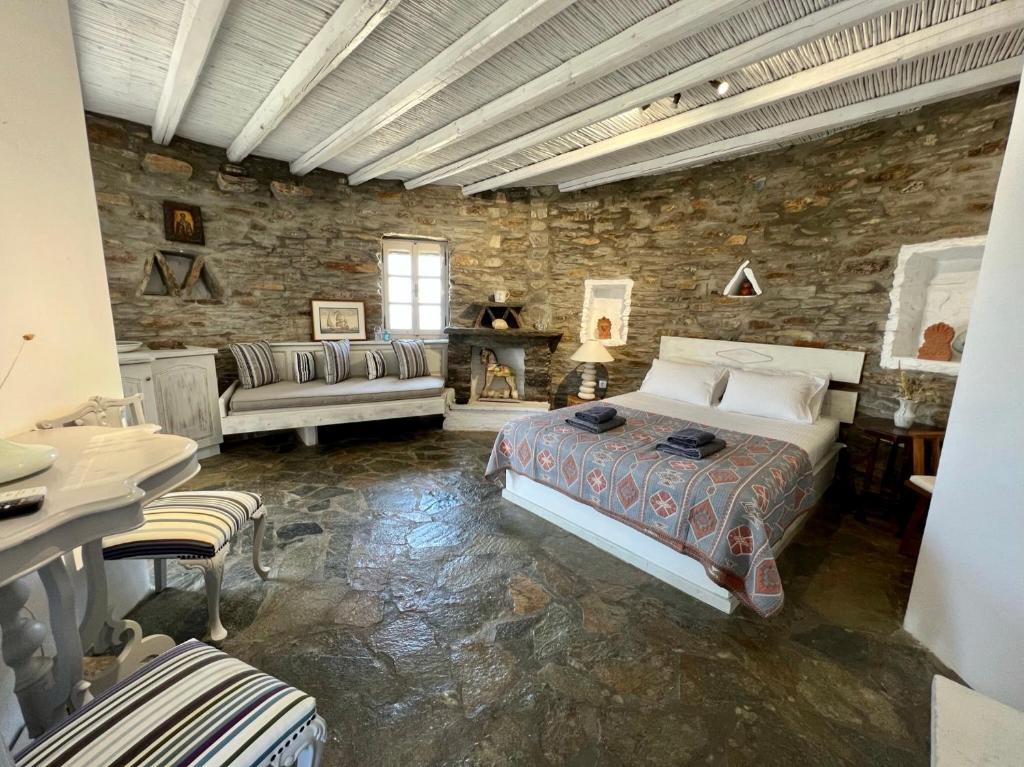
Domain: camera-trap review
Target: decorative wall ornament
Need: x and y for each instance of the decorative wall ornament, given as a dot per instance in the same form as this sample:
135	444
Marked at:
743	284
180	275
606	305
183	223
338	320
938	342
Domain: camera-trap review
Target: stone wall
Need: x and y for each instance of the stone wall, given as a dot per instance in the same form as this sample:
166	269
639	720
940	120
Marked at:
274	242
822	223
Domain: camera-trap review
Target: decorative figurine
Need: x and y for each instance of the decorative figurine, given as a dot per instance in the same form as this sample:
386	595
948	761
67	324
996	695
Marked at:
492	370
938	343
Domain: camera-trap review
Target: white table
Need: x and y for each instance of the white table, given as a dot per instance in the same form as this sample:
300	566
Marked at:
96	488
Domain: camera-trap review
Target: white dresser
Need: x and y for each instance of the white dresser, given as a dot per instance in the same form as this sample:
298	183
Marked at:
179	390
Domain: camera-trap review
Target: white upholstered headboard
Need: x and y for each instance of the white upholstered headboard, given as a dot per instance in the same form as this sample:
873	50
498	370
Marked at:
843	366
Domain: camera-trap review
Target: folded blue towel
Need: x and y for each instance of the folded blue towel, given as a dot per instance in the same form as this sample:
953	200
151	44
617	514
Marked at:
693	453
596	428
597	414
690	437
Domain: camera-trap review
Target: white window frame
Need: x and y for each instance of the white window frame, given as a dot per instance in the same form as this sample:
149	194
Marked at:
415	245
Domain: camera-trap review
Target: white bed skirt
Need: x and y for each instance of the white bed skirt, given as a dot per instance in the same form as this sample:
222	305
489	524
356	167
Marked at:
632	546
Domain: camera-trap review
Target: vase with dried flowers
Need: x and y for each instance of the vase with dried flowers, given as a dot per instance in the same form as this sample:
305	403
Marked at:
909	394
18	460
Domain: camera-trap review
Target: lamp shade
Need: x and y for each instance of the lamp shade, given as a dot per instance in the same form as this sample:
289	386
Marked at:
592	351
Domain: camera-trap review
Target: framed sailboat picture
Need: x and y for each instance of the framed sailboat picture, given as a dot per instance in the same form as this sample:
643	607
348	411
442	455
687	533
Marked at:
338	320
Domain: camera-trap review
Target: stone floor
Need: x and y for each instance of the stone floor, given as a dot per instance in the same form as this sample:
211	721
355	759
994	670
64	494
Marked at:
438	624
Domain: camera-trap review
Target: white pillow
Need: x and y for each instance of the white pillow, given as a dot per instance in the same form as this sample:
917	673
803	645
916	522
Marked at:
784	395
687	382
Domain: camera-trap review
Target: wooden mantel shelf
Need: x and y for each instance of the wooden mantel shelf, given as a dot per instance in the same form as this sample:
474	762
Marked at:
510	335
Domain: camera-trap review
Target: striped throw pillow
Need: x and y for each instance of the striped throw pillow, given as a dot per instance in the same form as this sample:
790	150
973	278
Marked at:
412	358
255	364
305	367
375	367
336	361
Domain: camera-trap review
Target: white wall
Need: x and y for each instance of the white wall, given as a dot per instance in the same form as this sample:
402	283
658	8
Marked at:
52	278
967	602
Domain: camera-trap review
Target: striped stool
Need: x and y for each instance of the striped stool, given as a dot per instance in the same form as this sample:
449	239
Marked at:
194	527
192	705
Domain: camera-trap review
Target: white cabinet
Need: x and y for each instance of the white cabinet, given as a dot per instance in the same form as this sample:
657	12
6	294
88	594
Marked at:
137	378
179	389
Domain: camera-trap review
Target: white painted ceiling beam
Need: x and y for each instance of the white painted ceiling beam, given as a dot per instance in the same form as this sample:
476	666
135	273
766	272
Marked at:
959	31
345	31
684	18
993	75
514	19
200	20
786	37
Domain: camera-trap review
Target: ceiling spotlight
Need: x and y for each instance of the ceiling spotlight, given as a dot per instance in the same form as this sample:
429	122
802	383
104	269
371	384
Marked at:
645	107
720	86
675	100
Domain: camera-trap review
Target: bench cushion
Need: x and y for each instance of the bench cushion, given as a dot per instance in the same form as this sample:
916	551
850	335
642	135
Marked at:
192	705
318	393
190	524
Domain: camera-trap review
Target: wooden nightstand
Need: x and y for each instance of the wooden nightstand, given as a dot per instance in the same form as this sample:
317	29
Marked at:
881	431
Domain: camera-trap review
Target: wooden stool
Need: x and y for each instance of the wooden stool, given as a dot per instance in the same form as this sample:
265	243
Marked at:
194	527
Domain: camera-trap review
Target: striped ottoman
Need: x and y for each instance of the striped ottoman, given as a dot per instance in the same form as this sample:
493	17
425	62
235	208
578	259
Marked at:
194	527
192	705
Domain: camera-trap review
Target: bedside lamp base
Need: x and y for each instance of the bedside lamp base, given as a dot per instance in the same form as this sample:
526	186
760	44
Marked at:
588	382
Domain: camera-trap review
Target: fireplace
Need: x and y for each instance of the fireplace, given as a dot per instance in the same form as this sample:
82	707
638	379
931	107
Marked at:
527	352
523	357
488	383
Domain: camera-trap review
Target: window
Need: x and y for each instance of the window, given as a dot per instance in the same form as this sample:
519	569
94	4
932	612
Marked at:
415	286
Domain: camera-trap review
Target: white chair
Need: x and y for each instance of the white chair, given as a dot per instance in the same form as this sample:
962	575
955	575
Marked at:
192	526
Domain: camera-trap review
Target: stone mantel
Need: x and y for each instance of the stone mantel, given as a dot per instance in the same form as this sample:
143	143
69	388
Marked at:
512	336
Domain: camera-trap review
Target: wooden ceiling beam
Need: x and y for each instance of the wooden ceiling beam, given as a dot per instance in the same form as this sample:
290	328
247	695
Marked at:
200	20
345	31
950	34
513	20
779	136
653	33
772	43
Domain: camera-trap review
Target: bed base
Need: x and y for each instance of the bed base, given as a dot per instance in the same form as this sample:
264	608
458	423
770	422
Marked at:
642	551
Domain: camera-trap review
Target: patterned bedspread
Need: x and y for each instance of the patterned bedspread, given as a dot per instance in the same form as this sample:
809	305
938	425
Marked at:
725	511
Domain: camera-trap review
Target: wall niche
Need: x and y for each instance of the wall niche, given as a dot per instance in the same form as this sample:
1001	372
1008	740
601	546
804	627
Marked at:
934	282
186	276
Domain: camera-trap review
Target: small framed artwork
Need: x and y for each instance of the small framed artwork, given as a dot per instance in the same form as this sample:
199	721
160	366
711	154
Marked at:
337	320
183	223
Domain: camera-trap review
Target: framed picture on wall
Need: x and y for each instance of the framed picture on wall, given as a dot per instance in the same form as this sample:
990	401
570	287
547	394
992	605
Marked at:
337	320
183	223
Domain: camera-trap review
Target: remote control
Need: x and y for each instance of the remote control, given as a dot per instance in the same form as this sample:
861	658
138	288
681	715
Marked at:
16	502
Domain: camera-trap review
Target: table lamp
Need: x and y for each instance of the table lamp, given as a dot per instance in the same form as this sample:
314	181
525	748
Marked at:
590	353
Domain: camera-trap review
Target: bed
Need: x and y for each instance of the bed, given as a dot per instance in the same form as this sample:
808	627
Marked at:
804	456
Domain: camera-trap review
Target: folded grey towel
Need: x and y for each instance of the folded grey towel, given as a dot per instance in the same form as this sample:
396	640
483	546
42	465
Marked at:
690	437
693	453
597	414
596	428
